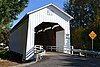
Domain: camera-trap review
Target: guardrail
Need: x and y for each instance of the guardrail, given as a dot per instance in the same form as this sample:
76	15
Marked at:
84	51
51	48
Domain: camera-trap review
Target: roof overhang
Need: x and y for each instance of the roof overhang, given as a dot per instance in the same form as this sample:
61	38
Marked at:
53	6
27	15
19	23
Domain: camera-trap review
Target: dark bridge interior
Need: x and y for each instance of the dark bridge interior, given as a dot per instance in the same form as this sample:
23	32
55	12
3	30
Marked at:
44	36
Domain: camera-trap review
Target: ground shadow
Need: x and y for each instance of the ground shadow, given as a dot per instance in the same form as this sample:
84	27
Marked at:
11	56
77	61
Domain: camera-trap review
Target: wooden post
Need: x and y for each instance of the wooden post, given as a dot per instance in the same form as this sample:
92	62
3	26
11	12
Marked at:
72	47
80	52
92	44
51	48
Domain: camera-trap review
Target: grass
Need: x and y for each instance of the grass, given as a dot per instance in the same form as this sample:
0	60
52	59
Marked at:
4	54
11	56
15	57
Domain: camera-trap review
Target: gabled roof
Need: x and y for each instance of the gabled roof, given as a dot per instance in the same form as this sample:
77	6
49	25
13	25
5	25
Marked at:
53	6
19	23
27	15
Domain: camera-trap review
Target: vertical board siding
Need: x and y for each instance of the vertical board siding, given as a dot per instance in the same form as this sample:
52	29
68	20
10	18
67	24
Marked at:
18	39
42	16
34	20
22	39
60	41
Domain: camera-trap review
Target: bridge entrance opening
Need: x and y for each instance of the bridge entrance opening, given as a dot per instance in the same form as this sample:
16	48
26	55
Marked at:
46	34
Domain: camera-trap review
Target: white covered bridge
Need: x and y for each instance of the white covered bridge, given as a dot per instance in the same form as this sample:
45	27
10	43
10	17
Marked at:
47	26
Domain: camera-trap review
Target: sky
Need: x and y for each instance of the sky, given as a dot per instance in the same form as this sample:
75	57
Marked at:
35	4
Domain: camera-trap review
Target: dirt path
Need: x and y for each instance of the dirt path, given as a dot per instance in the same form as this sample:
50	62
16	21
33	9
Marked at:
6	63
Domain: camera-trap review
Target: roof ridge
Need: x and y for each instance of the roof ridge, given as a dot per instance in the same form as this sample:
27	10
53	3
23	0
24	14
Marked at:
53	6
40	8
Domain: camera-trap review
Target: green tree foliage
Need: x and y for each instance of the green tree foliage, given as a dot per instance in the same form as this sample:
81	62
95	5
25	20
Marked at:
76	38
86	15
9	9
87	40
83	11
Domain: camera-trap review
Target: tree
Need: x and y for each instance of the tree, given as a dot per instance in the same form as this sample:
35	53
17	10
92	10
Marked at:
76	38
9	9
83	11
86	15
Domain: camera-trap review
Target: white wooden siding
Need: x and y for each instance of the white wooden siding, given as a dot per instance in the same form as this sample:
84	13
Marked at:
60	40
22	39
18	39
42	16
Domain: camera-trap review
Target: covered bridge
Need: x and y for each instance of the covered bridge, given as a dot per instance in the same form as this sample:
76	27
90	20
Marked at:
47	26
